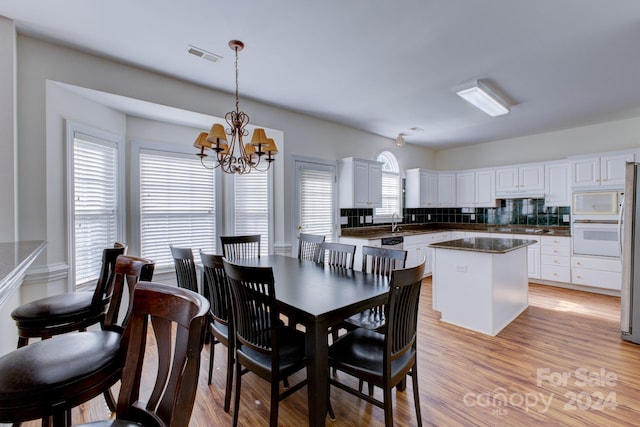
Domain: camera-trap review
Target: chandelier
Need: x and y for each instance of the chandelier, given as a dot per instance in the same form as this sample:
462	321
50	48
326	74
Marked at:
236	157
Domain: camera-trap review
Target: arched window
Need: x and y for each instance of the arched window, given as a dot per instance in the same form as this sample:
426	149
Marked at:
391	202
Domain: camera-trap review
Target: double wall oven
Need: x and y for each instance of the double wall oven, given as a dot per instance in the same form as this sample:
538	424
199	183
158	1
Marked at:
596	223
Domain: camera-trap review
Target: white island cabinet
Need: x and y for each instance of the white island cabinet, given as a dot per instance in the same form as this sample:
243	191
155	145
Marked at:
480	283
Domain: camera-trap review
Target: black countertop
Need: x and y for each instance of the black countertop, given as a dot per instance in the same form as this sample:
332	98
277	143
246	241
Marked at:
484	244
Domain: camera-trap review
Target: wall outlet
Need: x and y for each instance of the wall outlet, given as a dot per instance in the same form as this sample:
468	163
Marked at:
413	217
344	220
369	219
361	220
461	268
565	218
472	217
429	217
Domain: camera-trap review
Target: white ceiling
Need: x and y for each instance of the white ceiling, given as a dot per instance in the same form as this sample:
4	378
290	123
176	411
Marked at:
378	65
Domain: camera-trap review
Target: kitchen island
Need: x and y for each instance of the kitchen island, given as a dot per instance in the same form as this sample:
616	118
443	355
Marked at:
480	283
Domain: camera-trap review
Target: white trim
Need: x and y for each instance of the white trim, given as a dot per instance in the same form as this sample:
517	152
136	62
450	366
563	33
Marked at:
44	274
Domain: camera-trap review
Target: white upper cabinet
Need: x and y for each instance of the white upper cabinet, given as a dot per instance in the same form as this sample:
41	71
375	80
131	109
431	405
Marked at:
604	170
360	183
556	184
421	188
523	180
475	188
446	189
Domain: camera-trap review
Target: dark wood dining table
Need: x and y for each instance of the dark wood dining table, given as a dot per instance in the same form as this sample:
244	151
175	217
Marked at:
318	297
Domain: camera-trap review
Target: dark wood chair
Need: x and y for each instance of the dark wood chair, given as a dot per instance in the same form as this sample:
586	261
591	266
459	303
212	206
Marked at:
235	247
220	329
384	358
264	345
337	254
67	312
309	246
48	378
185	268
166	309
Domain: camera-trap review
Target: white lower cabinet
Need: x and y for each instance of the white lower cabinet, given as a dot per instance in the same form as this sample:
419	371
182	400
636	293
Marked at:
533	254
555	258
599	272
359	243
417	247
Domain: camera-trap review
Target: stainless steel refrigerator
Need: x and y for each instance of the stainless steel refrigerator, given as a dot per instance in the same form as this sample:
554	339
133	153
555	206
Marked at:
630	242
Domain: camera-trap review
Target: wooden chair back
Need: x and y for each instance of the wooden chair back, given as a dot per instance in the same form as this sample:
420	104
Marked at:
129	270
217	289
176	318
382	261
185	268
337	254
309	246
100	300
236	247
254	305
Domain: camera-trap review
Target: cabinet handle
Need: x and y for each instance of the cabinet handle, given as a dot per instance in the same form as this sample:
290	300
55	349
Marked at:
578	263
555	274
578	276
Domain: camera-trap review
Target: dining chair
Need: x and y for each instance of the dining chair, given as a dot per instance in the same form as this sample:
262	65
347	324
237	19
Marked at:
263	344
220	327
235	247
67	312
337	254
185	268
175	320
48	378
384	358
309	246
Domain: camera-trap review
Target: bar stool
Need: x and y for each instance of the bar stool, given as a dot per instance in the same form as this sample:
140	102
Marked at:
48	378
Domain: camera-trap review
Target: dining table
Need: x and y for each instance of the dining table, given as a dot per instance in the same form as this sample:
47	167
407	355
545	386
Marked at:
319	296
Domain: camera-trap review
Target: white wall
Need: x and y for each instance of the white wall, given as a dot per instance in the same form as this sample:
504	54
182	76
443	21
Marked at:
609	136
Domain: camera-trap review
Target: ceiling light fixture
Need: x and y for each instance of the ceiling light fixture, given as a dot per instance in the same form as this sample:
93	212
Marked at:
249	155
480	96
400	140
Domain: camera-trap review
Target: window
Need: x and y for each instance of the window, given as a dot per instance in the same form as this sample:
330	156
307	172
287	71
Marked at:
316	199
251	206
177	205
94	199
391	201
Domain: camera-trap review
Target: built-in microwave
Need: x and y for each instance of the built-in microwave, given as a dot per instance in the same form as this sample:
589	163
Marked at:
596	205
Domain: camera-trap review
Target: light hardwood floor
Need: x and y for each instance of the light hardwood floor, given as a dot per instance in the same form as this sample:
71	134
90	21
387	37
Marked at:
561	362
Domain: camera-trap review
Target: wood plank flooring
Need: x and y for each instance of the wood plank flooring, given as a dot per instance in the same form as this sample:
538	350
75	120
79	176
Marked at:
560	363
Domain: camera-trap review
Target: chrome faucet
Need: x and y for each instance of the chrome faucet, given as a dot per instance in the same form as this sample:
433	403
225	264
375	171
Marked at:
394	222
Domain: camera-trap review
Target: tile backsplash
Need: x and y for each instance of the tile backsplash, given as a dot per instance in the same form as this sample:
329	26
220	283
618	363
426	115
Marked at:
508	211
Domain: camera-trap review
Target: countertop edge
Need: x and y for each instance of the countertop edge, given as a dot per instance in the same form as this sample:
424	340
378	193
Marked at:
13	273
473	247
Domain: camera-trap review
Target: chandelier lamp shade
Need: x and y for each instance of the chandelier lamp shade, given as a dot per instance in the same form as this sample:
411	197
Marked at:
231	154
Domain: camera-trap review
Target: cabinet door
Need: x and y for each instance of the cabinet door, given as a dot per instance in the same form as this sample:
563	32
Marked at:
612	168
531	178
429	181
585	172
446	189
360	184
485	189
506	180
556	183
465	189
375	185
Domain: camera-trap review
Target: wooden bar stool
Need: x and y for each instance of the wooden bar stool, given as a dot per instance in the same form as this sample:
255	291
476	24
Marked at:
48	378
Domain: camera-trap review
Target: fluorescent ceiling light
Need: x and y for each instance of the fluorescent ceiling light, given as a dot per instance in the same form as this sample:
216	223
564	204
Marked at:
483	98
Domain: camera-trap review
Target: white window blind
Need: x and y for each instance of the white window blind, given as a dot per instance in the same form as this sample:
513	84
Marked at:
177	205
390	186
251	207
95	203
317	210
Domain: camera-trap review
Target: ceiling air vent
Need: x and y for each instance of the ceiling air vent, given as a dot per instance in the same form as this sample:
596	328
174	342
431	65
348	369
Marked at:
201	53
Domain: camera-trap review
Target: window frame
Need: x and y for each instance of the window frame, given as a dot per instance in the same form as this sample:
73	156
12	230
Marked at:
71	129
382	218
134	202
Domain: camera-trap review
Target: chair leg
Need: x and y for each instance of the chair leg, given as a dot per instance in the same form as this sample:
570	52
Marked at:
227	391
212	349
388	407
285	382
416	394
236	404
22	341
275	399
370	389
402	385
111	401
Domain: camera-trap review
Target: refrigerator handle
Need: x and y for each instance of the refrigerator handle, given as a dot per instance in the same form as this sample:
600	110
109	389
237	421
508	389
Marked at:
620	233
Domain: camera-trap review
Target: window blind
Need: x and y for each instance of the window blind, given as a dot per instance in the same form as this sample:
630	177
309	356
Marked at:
390	194
251	206
95	204
177	205
317	210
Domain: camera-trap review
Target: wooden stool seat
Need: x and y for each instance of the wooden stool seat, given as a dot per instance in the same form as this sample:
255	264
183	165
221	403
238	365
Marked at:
38	377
